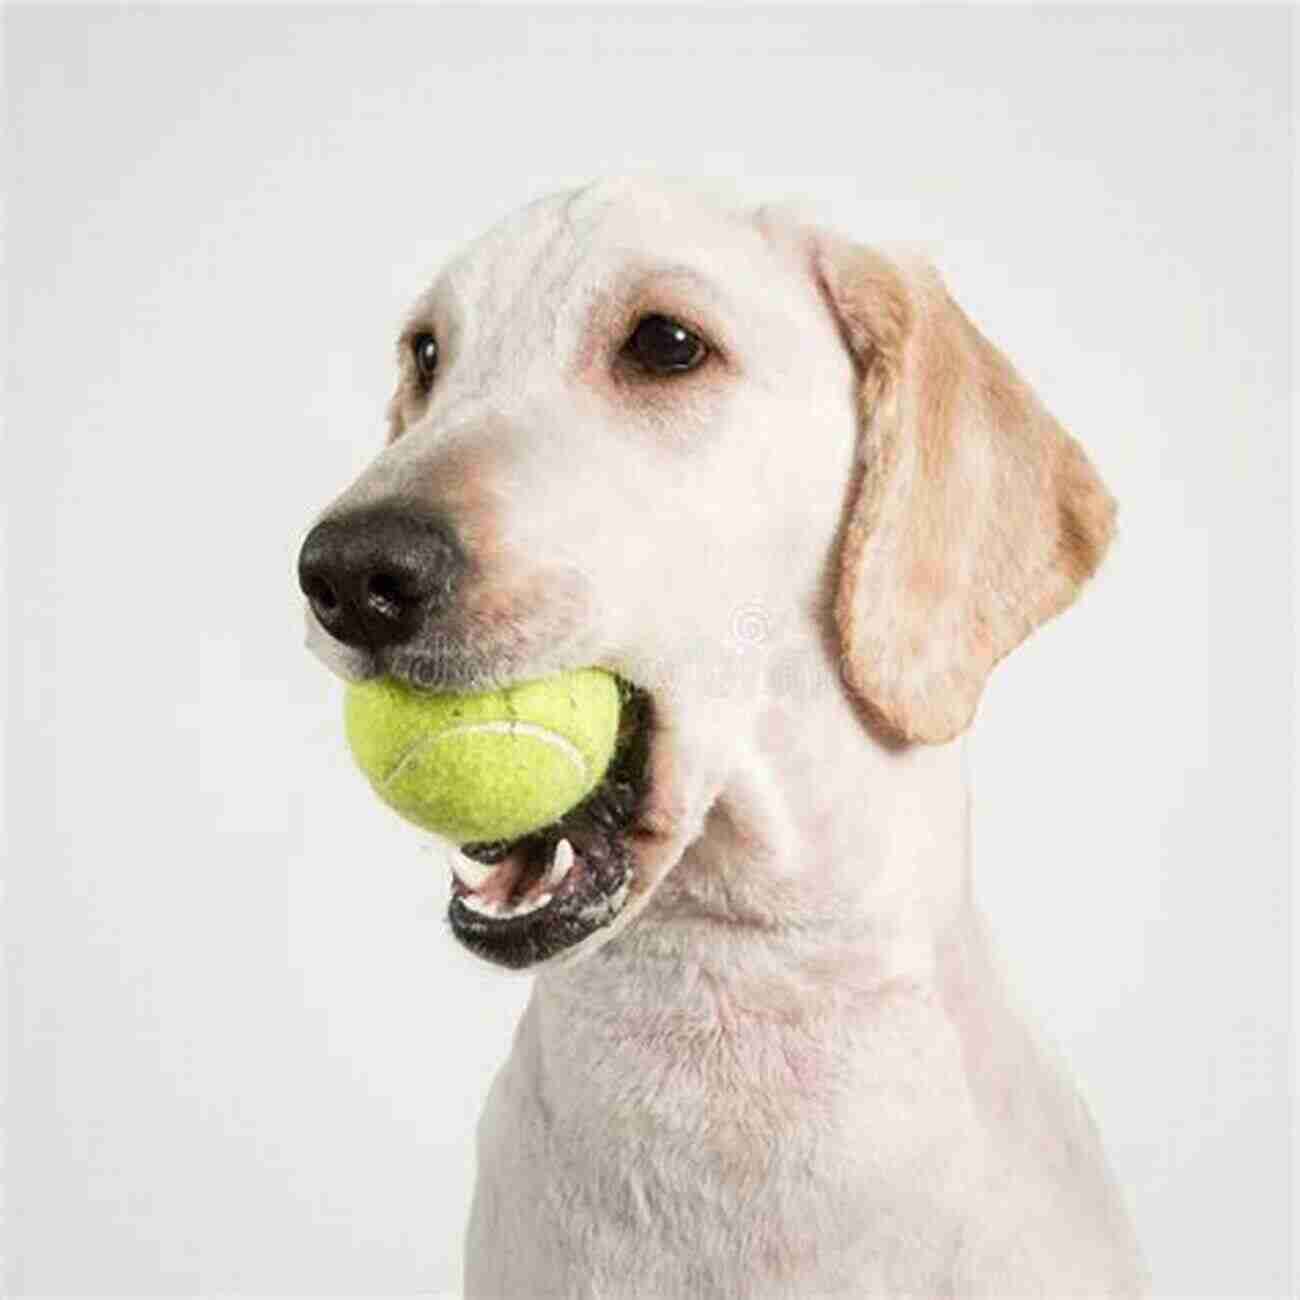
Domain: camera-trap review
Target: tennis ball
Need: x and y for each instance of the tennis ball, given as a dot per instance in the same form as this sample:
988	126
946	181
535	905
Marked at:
488	766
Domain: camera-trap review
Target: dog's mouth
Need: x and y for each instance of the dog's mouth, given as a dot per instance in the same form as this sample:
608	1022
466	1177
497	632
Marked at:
518	902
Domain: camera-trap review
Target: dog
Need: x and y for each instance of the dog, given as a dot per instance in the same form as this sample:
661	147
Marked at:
781	485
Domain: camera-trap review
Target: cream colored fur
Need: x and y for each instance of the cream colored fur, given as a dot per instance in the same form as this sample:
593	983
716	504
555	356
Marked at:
790	1068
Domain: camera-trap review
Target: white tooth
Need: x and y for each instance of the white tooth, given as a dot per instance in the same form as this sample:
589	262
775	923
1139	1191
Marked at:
531	905
487	907
473	875
483	906
560	865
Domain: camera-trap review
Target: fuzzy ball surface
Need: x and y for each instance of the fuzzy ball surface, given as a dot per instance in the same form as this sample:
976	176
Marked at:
494	765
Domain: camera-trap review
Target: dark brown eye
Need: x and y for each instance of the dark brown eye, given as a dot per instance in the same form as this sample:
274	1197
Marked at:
424	348
664	346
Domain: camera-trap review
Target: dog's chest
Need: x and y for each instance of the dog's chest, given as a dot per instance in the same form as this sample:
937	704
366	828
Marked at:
655	1155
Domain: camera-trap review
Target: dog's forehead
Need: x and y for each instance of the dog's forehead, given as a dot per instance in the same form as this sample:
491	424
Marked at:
559	246
506	257
624	208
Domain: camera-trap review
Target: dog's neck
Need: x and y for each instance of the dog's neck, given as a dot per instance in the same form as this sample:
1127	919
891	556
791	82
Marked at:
807	1027
828	864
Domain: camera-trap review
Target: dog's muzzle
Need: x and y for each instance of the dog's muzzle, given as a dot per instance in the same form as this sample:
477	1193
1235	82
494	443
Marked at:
382	582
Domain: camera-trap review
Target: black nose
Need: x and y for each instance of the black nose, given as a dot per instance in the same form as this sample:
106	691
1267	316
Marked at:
373	576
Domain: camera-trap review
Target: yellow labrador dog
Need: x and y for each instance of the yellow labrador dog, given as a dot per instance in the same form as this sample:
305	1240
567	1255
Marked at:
780	484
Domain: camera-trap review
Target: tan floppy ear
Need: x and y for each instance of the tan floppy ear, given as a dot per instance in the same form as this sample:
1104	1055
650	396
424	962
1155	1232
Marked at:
977	517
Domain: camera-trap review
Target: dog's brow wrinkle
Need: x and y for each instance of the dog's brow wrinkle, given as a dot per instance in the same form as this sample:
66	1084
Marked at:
647	275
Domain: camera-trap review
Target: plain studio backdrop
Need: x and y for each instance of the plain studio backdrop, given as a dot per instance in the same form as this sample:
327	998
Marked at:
246	1057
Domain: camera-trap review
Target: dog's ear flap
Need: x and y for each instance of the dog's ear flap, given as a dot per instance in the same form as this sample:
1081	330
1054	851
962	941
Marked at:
976	516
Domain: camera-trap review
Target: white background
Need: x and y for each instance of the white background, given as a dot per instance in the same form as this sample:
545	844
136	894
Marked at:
245	1055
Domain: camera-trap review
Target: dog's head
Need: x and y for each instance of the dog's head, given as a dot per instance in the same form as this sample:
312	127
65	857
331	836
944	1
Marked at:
712	452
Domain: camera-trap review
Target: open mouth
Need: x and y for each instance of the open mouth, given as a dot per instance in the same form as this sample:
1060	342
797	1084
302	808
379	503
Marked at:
517	902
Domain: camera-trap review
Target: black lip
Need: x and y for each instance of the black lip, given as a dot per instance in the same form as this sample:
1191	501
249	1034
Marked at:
519	941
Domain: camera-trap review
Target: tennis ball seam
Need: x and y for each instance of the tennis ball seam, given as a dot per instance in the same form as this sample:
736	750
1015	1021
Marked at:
487	765
512	727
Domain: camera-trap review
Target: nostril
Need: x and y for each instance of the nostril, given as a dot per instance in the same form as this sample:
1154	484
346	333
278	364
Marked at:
324	599
389	594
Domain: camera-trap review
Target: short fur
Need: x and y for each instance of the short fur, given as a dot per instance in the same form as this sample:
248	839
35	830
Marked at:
978	516
789	1069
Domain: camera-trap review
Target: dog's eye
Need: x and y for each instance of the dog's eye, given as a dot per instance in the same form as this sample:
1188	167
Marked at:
424	348
664	346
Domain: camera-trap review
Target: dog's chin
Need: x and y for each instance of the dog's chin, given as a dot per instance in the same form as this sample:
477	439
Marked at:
554	896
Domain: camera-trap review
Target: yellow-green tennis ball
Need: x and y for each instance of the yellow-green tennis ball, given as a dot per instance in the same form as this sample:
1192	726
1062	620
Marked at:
489	766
